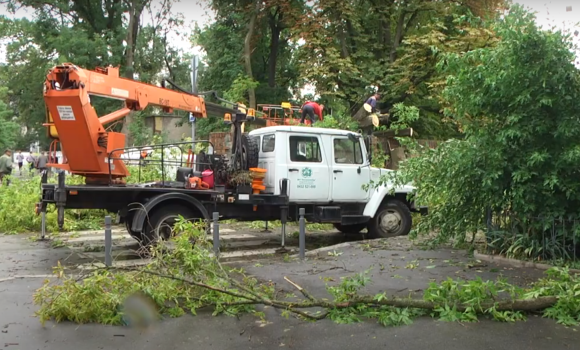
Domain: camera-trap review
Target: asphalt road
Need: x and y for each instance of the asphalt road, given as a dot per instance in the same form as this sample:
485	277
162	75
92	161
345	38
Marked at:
24	263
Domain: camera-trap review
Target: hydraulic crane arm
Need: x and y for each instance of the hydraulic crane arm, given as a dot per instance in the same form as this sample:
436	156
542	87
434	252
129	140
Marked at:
81	132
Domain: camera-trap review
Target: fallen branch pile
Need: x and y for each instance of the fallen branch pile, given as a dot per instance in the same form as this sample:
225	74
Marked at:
190	279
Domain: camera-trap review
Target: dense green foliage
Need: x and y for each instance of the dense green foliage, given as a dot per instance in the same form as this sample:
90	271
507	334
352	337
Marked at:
518	106
17	201
17	209
88	34
344	49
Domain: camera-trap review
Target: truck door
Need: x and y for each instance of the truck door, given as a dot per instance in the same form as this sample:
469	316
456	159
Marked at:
348	172
308	170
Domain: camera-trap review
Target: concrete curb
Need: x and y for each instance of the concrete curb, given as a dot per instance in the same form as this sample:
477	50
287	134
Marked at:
515	262
315	252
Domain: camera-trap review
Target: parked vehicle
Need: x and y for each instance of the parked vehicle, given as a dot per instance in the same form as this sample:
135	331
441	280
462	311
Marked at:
269	174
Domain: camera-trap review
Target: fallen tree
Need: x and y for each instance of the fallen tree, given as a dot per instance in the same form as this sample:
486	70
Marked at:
189	278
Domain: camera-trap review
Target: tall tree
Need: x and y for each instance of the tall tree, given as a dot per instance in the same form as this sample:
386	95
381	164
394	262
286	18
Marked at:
354	47
271	46
253	15
517	102
89	34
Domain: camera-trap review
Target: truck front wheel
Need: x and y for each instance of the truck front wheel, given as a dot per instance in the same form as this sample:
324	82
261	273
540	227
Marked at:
392	219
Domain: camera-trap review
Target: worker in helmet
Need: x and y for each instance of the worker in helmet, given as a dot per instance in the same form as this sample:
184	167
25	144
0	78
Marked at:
313	110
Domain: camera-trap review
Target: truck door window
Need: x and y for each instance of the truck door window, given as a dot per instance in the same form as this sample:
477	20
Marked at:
347	152
268	143
305	149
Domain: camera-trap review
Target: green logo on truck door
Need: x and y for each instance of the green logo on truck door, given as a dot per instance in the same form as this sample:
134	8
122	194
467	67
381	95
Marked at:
305	181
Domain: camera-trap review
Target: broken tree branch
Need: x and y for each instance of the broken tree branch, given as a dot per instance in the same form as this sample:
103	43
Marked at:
302	290
525	305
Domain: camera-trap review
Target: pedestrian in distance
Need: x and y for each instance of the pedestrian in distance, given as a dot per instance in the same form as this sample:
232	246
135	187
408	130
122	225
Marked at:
5	166
31	162
313	110
20	161
41	162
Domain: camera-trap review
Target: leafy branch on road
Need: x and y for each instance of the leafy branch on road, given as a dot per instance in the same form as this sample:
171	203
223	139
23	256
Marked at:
188	278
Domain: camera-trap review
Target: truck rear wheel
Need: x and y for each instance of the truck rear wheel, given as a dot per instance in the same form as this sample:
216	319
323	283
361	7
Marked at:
350	229
162	220
392	219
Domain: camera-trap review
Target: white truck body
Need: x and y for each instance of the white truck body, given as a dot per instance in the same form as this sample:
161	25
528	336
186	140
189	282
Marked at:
323	166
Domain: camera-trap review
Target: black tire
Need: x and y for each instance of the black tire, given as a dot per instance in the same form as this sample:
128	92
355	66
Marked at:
350	229
392	219
159	225
251	150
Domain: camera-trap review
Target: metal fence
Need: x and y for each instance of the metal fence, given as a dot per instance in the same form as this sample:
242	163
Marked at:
533	238
215	224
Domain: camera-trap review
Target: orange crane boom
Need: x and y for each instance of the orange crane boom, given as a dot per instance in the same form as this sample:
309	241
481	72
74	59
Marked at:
81	131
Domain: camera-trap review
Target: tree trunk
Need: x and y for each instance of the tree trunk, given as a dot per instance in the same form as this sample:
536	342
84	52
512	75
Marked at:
130	53
275	30
363	117
135	9
248	51
272	62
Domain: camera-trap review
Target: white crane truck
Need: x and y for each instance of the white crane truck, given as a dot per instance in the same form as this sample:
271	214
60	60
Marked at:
326	171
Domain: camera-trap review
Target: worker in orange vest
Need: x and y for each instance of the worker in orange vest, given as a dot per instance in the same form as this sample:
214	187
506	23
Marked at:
313	110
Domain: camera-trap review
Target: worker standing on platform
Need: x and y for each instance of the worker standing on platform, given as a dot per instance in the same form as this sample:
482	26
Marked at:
372	101
313	110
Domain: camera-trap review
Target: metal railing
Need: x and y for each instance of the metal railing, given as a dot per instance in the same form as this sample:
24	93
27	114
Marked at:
165	158
533	238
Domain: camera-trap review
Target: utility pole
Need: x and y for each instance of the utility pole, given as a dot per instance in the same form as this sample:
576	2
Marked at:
194	90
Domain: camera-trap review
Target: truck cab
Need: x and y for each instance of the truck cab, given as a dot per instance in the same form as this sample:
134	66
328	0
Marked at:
327	170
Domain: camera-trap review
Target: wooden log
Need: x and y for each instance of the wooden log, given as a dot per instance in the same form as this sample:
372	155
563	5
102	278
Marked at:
363	118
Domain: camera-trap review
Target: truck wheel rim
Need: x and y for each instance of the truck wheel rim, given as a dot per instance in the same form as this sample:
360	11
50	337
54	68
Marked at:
165	228
391	221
